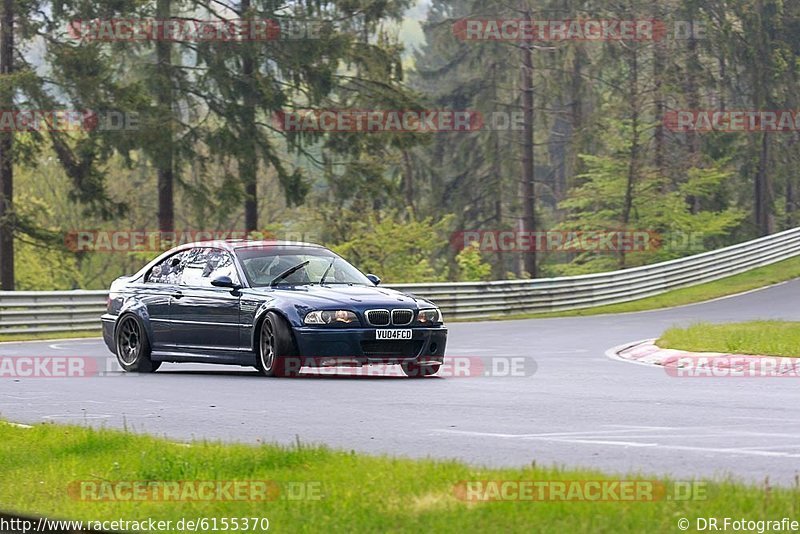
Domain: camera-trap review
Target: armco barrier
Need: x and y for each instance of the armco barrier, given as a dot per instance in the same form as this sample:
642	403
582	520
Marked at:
66	311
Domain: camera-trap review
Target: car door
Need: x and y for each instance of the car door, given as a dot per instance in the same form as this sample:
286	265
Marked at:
156	292
206	318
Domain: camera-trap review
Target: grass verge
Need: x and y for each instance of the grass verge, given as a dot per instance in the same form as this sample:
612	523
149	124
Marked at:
761	277
359	493
50	335
768	338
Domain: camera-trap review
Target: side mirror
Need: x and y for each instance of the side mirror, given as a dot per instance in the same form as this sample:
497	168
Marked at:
374	279
224	281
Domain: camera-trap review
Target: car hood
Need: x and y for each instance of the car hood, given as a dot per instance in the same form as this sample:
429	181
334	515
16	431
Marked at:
355	296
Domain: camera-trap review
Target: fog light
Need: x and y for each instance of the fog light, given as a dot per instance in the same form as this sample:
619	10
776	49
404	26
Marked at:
433	348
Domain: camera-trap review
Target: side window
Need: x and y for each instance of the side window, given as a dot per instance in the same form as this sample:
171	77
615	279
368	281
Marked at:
168	271
202	265
194	268
220	263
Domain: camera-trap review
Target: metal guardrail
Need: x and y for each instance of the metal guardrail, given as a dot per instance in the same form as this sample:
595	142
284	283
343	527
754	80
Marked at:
23	312
67	311
471	300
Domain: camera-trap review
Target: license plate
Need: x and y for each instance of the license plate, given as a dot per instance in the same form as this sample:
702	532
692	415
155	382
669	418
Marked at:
393	334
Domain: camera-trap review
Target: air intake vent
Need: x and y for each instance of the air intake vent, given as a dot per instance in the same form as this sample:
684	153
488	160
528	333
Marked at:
391	349
402	317
378	317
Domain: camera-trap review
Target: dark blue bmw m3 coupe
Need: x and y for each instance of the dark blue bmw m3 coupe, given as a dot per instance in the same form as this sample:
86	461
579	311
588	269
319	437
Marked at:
277	306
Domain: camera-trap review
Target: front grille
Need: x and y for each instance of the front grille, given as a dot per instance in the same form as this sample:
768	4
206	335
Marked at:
378	317
402	317
391	348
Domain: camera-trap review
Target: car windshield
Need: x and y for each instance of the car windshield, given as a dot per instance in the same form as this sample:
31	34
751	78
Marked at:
296	265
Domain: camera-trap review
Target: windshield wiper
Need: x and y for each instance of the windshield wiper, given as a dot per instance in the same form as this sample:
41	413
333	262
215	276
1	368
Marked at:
322	280
287	272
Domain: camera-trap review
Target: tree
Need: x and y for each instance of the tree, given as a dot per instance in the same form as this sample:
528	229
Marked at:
339	49
164	157
6	147
24	89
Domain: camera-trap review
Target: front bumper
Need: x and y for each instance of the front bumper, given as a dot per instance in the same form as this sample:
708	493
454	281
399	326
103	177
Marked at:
319	346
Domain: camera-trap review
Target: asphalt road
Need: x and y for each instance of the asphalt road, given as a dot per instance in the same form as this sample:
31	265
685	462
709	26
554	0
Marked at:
579	409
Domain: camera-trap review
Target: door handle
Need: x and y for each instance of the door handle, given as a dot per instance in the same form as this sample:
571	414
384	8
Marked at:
177	295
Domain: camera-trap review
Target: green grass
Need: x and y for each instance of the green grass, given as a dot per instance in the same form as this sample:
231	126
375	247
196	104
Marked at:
49	335
767	338
359	493
761	277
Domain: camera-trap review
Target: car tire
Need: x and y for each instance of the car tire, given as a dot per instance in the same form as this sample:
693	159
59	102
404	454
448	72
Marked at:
415	370
276	354
133	346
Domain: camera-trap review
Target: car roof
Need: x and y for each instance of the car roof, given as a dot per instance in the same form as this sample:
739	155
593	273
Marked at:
231	244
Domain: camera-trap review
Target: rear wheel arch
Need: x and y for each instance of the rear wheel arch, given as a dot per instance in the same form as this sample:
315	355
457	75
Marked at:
138	309
142	362
128	313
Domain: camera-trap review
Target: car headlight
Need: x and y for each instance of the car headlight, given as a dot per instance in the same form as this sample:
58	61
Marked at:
428	316
332	317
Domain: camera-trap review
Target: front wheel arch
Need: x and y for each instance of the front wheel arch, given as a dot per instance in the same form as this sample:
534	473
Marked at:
259	320
282	363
